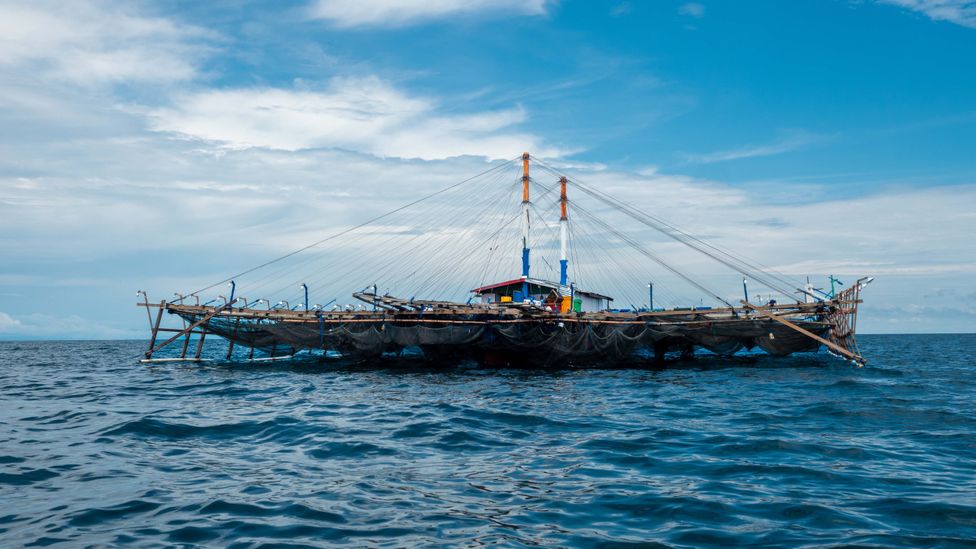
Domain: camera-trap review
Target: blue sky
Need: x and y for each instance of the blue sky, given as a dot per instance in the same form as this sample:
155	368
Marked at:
163	145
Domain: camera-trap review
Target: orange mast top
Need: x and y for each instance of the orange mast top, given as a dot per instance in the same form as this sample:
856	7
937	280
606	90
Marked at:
562	198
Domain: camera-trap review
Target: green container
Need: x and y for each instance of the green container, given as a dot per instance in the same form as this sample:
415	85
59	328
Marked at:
578	305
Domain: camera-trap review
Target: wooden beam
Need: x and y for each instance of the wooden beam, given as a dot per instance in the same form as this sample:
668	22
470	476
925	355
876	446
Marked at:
155	328
178	331
230	341
831	345
203	336
186	341
145	297
203	320
153	360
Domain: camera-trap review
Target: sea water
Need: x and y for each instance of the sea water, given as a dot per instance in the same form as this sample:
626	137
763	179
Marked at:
97	449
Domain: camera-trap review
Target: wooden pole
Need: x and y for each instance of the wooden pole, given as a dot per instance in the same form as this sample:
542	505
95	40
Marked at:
155	328
186	342
831	345
563	234
203	335
230	344
145	298
525	225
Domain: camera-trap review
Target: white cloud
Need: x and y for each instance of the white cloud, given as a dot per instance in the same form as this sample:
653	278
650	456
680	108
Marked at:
90	42
790	142
392	13
8	324
960	12
93	206
196	217
359	114
692	9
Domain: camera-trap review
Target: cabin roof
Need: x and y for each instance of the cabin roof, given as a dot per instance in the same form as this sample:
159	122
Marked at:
537	282
484	289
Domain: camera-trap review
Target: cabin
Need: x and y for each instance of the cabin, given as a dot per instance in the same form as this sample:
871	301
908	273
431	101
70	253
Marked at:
544	291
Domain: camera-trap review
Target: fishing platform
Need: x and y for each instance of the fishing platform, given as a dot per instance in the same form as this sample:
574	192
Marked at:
529	320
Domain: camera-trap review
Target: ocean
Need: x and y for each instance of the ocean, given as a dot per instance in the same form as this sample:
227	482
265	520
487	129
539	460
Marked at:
97	449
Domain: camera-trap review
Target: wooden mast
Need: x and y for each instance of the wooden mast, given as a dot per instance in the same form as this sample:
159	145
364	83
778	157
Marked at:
563	233
525	225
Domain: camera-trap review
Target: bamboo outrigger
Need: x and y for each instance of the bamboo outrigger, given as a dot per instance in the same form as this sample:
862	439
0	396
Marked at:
526	321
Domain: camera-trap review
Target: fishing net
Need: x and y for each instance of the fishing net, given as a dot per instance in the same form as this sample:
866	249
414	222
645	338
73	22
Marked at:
545	340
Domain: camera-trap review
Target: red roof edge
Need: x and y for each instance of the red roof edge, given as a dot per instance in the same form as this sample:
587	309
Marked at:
496	285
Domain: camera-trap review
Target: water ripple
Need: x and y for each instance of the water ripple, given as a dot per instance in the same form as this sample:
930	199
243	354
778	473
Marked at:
97	450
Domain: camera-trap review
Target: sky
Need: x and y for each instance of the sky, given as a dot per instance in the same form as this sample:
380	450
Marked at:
162	146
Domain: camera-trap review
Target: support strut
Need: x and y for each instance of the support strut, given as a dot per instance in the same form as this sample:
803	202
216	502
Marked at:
830	344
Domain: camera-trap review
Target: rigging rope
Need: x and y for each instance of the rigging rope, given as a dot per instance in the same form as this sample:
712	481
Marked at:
735	263
577	207
440	246
351	229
